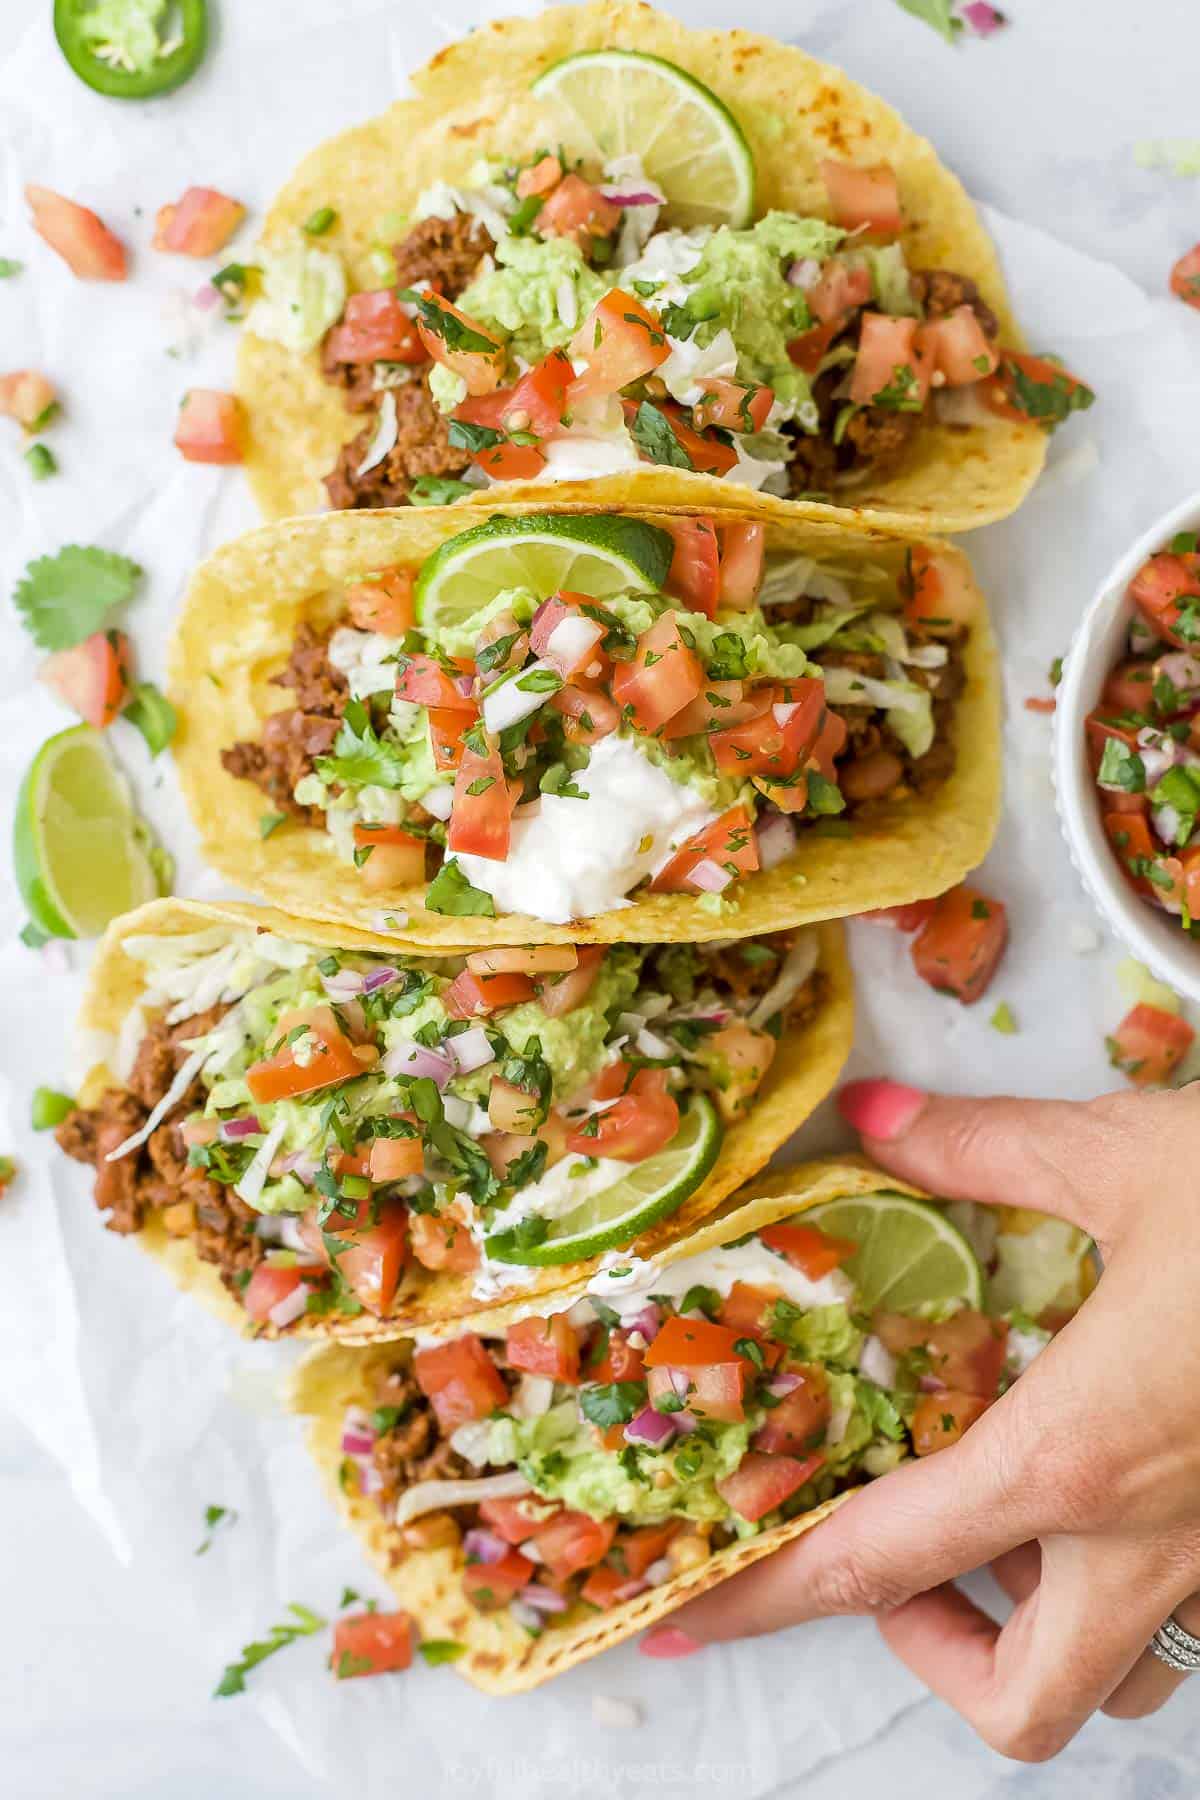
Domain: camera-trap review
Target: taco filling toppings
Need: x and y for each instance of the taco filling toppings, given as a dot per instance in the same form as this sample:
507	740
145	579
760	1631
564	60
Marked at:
578	1459
536	750
328	1128
1144	737
549	322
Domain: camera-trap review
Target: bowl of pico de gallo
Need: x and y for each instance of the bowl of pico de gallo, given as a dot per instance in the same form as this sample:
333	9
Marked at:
1127	748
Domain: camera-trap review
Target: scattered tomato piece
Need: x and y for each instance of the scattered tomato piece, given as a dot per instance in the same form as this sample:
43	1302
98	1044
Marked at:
199	224
89	249
92	677
372	1643
957	949
1185	277
26	396
210	427
1149	1044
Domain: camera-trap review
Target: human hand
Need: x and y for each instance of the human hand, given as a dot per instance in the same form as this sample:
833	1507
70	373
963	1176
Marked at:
1080	1486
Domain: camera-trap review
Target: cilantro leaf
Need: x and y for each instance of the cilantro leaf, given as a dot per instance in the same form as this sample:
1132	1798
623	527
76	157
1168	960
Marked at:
651	431
66	597
464	435
938	14
612	1403
213	1517
154	716
233	1680
436	490
360	758
451	892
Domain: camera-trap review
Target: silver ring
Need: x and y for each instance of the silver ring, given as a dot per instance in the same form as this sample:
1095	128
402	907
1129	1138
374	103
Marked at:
1177	1648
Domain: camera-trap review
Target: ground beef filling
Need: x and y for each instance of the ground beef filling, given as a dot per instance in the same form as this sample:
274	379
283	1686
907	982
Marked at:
295	737
413	1448
157	1179
875	764
446	253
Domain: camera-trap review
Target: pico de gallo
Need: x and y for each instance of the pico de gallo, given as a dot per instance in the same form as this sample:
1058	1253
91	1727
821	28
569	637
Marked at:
1144	736
331	1129
550	754
575	1461
548	322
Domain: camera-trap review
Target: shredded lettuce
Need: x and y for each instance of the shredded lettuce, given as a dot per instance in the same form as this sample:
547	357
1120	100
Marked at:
303	294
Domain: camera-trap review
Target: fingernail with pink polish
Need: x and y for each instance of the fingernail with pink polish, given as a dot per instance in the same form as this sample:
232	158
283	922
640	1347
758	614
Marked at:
880	1109
668	1641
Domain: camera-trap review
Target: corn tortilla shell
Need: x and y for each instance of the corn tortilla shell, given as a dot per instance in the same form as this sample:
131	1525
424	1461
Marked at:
793	110
806	1066
235	631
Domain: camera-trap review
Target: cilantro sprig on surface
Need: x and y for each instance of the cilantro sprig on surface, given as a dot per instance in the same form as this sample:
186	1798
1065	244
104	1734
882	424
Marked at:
214	1518
306	1624
64	598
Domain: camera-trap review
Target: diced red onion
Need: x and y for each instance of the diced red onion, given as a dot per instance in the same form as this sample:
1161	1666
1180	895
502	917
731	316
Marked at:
370	1481
710	877
484	1546
776	840
344	984
375	979
247	1125
300	1164
680	1381
1166	822
417	1060
982	18
782	1385
804	273
465	685
291	1307
526	1616
647	1322
206	297
684	1422
1181	669
358	1434
650	1427
929	1384
439	801
544	1599
659	1571
876	1363
470	1050
632	199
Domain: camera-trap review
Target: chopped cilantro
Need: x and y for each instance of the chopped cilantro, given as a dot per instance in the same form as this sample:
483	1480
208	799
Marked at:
360	758
652	433
306	1622
1002	1020
612	1403
451	892
65	598
437	490
213	1517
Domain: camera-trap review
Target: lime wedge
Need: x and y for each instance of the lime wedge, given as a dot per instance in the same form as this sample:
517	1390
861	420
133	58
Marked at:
616	102
78	846
909	1255
651	1191
591	554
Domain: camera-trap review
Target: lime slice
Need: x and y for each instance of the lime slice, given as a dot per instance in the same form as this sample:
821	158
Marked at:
78	847
651	1191
616	102
589	554
909	1255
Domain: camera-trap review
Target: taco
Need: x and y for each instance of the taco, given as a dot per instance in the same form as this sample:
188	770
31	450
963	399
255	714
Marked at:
501	734
549	1482
330	1134
696	265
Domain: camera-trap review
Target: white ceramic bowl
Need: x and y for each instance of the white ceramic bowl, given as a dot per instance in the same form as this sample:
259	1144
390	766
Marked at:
1153	936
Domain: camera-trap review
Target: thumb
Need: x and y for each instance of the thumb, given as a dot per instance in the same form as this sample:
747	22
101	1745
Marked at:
1083	1161
926	1523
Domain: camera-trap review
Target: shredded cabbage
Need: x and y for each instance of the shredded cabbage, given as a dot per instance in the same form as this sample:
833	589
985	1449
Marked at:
303	294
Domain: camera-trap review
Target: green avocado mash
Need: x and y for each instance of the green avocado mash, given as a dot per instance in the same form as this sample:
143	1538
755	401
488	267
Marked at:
538	294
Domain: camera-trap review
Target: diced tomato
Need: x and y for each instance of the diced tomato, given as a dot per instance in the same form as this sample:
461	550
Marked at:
460	1380
374	328
622	1361
749	1311
760	1482
721	705
862	196
695	562
646	1545
904	918
489	1586
1003	395
475	996
742	549
446	735
738	1056
1185	277
588	716
1129	835
561	994
545	1347
92	677
807	350
481	819
329	1052
510	462
958	948
732	405
1159	587
511	1109
728	841
776	746
690	1343
199	224
808	1249
1099	728
1149	1044
1130	687
797	1425
83	240
663	677
210	427
536	403
841	286
942	593
381	1641
958	348
524	959
382	602
642	1122
575	209
889	360
574	1541
503	1147
392	857
620	341
967	1351
25	396
516	1520
706	454
540	178
423	680
461	345
269	1285
443	1240
940	1419
373	1263
606	1587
